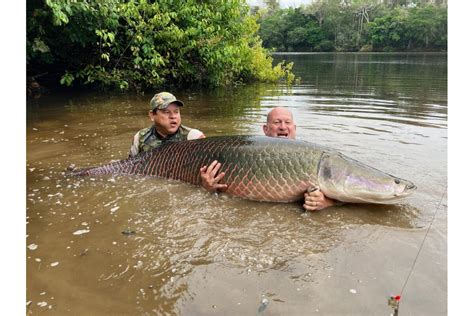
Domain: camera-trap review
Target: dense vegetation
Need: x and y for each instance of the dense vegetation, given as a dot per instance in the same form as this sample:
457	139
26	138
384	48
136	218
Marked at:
357	25
142	44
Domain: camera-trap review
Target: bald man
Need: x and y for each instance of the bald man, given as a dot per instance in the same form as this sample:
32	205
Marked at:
279	124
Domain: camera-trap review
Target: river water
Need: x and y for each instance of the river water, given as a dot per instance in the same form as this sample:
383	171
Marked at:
118	245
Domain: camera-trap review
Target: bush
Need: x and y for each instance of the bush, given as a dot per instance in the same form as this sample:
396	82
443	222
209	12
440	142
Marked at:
140	44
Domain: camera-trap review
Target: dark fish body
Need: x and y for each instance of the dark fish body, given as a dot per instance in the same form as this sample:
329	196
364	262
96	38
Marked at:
265	169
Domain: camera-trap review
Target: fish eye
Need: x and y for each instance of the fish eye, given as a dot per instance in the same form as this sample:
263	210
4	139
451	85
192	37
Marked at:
397	181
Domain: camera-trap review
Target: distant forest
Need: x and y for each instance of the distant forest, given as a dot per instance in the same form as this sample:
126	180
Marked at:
357	25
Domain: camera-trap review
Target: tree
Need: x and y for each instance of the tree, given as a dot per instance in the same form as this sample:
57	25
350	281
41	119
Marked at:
272	5
354	25
389	32
427	27
145	44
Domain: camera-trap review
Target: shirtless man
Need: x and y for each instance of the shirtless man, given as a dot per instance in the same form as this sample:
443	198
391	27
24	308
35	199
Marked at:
279	124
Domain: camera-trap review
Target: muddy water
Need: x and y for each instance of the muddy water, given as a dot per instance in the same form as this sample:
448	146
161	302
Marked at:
143	246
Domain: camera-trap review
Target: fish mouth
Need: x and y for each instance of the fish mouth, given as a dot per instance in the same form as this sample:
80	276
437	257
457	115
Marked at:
409	188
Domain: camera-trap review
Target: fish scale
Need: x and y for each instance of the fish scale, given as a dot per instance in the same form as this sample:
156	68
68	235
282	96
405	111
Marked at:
264	169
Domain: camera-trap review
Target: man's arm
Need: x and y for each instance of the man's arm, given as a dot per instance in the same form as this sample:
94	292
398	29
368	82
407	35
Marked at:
195	134
210	177
209	174
134	150
315	200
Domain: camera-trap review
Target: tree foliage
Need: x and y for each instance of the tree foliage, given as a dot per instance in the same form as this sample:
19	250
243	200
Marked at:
143	44
356	25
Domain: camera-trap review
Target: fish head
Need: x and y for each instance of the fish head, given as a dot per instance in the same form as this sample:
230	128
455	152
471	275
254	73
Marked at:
349	180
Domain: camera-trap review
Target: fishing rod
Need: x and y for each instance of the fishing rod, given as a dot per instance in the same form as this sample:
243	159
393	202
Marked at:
394	300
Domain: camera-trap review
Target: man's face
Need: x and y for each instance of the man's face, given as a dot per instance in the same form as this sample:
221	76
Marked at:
167	121
280	124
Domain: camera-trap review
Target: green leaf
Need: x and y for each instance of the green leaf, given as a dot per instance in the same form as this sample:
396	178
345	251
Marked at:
40	46
67	79
105	56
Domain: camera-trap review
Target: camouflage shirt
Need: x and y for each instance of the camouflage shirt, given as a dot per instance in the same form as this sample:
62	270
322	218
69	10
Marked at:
148	138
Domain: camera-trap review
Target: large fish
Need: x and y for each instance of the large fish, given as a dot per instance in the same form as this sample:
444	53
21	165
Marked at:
265	169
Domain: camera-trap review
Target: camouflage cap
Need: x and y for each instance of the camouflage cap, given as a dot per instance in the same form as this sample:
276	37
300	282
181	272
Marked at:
162	100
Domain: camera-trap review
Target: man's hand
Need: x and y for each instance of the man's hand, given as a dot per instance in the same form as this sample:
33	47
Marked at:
210	179
316	201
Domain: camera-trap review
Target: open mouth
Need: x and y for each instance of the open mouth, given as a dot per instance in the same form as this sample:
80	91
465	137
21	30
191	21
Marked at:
284	135
410	187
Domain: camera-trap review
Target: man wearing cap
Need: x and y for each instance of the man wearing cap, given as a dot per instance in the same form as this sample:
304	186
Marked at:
166	117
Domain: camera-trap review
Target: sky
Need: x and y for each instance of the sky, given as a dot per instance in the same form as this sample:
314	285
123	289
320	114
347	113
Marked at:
283	3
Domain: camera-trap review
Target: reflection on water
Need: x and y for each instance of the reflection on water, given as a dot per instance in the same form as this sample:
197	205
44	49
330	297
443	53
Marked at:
130	245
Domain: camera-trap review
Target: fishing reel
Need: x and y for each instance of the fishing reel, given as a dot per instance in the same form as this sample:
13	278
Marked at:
393	302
